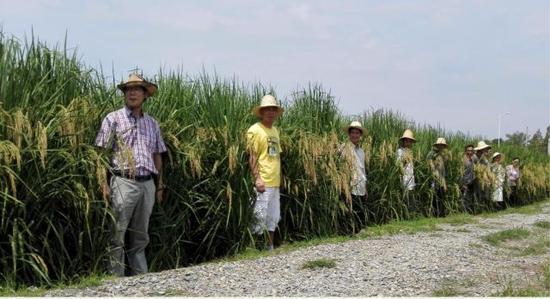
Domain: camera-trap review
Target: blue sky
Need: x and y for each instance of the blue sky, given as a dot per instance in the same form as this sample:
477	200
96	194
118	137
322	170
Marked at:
453	63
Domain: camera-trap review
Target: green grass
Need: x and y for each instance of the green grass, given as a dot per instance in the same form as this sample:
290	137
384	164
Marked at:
446	291
417	225
320	263
542	224
545	277
537	288
85	282
529	291
253	253
498	238
401	227
540	246
23	292
454	287
460	219
530	209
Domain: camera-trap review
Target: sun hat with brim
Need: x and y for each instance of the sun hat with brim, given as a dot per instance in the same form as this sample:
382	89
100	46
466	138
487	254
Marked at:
136	80
441	141
355	125
408	134
267	101
496	155
481	146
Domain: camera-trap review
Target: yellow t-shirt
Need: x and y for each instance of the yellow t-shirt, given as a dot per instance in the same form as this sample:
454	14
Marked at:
265	144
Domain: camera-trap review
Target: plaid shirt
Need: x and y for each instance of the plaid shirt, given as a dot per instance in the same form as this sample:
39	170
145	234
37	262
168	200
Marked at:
133	141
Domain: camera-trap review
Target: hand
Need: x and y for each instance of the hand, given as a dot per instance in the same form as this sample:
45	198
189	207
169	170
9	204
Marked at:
260	185
159	195
106	193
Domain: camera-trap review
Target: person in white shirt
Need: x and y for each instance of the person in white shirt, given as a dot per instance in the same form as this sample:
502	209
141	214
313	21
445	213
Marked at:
405	161
354	155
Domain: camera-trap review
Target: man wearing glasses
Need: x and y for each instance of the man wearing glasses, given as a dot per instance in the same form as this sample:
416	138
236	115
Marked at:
135	143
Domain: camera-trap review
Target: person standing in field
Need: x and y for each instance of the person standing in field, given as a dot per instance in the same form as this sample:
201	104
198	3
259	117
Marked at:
354	155
482	151
500	176
264	148
513	174
405	161
135	178
482	194
468	179
436	161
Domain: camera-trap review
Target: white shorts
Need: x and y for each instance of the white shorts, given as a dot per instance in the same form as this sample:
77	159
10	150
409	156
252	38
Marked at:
267	210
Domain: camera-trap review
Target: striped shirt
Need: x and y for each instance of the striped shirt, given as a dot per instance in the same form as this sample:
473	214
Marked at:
133	140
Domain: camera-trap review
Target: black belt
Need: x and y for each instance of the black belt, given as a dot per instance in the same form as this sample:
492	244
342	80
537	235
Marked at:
137	178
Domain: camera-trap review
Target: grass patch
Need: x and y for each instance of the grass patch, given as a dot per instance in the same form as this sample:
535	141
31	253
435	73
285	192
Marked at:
542	224
320	263
529	291
498	238
537	248
545	277
33	291
401	227
22	292
446	291
537	288
459	219
451	288
530	209
253	253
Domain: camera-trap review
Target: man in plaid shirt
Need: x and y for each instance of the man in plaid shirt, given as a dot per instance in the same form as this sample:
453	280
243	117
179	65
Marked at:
136	144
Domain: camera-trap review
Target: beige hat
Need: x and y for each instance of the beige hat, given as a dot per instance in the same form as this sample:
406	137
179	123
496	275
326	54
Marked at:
267	101
481	146
137	80
441	141
496	154
355	125
408	134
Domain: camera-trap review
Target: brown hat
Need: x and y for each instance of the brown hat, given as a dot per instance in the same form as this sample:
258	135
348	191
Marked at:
137	80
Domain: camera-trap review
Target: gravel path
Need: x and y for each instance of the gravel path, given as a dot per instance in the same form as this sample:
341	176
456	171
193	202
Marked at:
398	265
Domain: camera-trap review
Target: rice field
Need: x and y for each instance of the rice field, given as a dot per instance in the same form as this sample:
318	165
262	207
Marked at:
54	225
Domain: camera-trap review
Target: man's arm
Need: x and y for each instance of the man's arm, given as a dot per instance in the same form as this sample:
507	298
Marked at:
254	169
103	144
157	158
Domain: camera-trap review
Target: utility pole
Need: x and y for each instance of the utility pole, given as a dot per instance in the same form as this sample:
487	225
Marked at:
499	125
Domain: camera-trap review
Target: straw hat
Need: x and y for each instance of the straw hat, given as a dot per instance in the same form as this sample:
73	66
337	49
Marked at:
441	141
136	80
481	146
267	101
496	154
355	125
408	134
